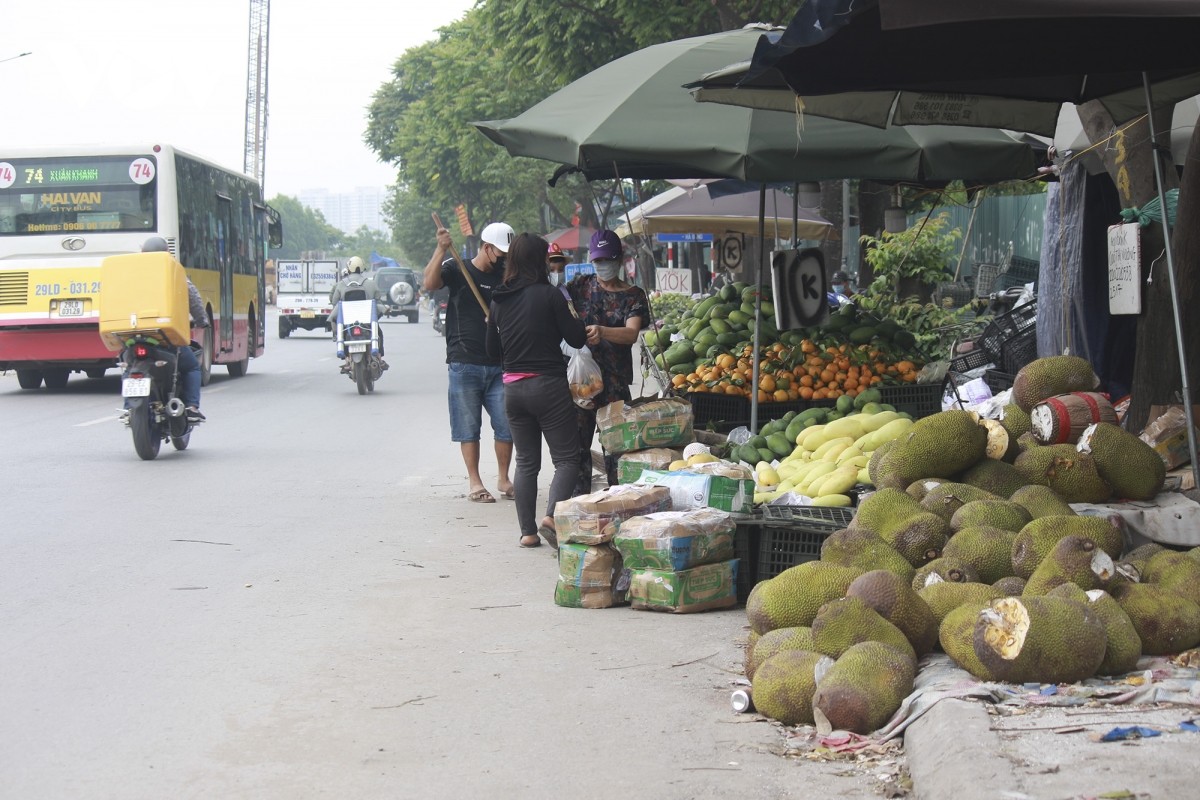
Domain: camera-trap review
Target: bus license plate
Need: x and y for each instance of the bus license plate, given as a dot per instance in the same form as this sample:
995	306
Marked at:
360	347
306	313
70	308
135	387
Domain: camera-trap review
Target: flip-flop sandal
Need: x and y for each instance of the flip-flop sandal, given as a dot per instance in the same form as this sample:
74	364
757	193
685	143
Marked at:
549	534
481	496
511	494
534	543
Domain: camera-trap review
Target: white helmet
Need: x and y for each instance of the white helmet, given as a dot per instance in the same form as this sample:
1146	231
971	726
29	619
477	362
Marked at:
355	264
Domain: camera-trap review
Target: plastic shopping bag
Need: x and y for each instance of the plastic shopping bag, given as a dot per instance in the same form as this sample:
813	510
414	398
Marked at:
583	374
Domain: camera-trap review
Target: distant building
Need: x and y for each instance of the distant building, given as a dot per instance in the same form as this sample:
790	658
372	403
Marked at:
349	211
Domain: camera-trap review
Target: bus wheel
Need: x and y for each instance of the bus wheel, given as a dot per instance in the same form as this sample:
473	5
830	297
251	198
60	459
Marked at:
206	356
29	378
238	368
56	378
94	372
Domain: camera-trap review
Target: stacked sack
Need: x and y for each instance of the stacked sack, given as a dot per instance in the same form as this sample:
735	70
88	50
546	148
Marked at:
659	459
590	571
680	561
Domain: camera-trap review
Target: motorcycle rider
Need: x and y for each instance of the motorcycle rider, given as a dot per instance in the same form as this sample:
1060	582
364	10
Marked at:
353	278
189	367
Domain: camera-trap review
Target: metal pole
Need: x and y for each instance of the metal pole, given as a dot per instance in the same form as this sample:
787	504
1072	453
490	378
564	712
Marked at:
846	225
795	216
1183	368
762	246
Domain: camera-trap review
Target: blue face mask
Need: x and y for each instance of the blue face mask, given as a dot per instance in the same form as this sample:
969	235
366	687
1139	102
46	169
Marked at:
839	288
607	268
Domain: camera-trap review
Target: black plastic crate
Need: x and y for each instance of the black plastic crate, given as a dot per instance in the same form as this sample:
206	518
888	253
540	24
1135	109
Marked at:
721	412
1019	351
918	399
1005	327
972	359
747	539
814	517
998	381
783	547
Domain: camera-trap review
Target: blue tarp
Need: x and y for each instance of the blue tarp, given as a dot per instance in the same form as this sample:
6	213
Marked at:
377	260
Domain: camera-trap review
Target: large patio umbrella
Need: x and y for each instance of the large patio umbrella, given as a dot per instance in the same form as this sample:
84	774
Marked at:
942	60
631	118
683	210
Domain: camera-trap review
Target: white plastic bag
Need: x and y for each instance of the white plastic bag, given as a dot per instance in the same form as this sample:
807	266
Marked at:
583	375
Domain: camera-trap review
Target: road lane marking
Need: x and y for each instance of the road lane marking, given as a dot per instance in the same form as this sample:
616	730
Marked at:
97	421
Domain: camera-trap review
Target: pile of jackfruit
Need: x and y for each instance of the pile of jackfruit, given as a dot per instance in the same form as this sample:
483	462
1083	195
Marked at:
982	557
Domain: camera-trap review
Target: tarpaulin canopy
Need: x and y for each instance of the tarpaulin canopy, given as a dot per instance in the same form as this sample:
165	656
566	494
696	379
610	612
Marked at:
683	210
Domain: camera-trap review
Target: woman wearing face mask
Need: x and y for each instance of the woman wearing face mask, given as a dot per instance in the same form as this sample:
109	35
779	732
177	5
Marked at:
614	312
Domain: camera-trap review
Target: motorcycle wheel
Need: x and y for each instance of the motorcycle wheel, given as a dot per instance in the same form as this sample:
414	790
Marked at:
360	376
146	440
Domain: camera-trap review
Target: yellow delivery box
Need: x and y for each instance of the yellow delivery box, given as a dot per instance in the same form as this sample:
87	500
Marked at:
143	293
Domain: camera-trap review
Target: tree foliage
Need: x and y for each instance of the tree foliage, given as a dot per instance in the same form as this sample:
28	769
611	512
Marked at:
304	229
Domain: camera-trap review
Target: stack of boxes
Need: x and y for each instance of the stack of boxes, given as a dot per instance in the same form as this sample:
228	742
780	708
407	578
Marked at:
680	561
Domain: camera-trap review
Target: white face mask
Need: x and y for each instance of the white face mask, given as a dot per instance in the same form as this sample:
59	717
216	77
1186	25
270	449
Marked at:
607	269
555	278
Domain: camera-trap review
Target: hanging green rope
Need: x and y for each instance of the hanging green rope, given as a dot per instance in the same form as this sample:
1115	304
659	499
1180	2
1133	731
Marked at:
1151	212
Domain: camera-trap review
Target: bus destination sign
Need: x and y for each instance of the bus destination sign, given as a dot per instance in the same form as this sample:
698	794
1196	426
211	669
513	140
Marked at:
99	171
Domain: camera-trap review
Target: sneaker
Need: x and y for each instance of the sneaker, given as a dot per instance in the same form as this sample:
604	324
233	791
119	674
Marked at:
194	414
383	365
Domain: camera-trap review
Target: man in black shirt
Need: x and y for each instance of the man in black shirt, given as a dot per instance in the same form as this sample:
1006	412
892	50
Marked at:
476	380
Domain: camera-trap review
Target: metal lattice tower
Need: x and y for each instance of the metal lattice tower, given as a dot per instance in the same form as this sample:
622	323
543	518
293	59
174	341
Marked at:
254	162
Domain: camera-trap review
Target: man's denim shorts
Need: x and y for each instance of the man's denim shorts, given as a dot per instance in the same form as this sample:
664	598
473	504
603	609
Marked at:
474	387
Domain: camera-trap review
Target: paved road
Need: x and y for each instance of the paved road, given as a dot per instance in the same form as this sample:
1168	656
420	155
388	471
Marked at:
304	604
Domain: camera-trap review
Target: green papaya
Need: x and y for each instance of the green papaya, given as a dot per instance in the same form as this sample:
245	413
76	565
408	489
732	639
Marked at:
719	326
728	293
780	445
862	334
727	339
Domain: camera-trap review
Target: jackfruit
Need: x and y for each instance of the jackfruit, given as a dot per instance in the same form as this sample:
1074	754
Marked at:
1050	376
877	468
776	641
987	550
793	597
1071	474
901	522
1194	553
1175	572
1015	421
861	549
944	597
1001	446
923	486
847	621
1139	555
944	569
1012	586
1130	466
1074	559
784	685
956	635
947	498
1123	647
943	444
863	688
998	477
1041	501
1165	622
1002	514
895	600
1038	538
1039	640
747	654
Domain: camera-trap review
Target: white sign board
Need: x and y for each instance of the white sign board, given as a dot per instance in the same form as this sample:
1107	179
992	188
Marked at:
1124	269
289	276
322	275
799	289
678	281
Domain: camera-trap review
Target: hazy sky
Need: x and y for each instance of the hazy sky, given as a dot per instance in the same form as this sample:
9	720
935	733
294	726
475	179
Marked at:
174	71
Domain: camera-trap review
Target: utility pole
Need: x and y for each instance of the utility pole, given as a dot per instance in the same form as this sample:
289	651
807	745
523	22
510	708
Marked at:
255	154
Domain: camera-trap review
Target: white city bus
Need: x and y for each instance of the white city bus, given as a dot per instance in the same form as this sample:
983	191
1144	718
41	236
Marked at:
62	210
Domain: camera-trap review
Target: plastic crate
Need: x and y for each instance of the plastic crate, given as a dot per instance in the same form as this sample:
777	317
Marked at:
998	381
747	538
918	399
783	547
970	360
985	278
814	517
1018	351
721	412
952	295
1005	327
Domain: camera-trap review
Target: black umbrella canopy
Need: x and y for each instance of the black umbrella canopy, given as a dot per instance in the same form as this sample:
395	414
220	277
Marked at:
967	63
632	118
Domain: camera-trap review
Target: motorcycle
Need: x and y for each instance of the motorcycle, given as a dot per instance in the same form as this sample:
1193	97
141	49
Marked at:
154	411
439	317
357	334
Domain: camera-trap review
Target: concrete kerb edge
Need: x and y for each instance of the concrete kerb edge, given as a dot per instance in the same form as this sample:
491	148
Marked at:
953	752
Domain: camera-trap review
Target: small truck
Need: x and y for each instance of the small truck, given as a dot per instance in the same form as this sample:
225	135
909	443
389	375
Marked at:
303	299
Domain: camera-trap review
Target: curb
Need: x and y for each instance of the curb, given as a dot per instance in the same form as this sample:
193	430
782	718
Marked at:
953	752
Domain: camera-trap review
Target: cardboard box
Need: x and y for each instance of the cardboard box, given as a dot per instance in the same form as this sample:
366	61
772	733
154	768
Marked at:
594	518
676	540
645	423
728	487
1167	433
143	293
685	592
590	577
630	465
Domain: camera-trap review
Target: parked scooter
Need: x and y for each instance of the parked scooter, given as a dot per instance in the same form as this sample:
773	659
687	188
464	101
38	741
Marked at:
150	385
357	334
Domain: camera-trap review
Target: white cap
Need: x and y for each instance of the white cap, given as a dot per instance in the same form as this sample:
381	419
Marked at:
498	235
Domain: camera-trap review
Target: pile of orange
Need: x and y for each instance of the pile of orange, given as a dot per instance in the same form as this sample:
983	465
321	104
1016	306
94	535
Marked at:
805	372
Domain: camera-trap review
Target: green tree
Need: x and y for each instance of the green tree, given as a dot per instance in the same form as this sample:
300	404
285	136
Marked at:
304	229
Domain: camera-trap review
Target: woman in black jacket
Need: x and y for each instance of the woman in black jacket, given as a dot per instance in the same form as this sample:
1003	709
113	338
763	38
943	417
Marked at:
527	320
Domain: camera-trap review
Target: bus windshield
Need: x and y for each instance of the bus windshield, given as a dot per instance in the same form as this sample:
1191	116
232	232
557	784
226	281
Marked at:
77	194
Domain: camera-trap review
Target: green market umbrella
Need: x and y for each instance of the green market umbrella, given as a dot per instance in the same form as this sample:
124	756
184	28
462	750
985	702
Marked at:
632	118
